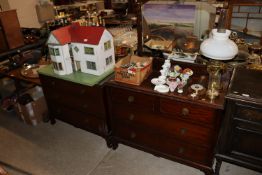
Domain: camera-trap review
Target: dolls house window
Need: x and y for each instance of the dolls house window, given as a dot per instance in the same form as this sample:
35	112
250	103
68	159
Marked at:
109	60
51	51
91	65
89	50
77	64
76	49
60	66
107	45
57	66
54	51
57	53
70	51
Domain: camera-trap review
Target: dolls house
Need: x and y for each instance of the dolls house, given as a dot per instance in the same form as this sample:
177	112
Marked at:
87	49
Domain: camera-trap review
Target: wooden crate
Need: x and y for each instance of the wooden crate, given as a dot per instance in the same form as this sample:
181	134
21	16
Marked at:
135	76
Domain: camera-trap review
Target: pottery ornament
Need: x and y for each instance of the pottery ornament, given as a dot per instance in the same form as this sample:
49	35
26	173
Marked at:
172	86
188	71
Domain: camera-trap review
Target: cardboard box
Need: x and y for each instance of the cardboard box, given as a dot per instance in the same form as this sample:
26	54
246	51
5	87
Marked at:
135	76
31	106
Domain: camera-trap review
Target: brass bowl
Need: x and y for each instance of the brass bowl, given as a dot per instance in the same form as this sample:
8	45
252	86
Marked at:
189	45
30	70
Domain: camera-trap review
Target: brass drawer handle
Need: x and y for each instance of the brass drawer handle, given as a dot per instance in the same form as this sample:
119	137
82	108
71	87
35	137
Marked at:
181	150
133	135
131	99
183	131
131	117
185	111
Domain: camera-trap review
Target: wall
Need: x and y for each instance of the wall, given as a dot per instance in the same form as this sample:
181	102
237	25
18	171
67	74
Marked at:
4	4
203	17
26	12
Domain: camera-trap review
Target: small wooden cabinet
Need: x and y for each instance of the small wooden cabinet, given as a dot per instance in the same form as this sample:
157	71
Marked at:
10	33
240	141
77	104
169	125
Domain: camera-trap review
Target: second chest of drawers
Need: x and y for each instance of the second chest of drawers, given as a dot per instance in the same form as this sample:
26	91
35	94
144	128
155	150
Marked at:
175	129
240	141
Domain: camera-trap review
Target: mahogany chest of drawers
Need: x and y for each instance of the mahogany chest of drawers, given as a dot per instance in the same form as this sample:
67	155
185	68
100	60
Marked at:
169	125
240	140
80	105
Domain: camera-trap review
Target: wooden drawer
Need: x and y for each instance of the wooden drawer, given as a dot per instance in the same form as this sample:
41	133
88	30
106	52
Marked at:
80	120
88	101
162	144
251	113
66	87
134	135
247	142
132	98
92	106
181	130
190	112
173	147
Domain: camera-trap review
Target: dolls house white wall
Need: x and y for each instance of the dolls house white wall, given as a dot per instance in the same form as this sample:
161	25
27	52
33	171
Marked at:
95	59
61	59
91	49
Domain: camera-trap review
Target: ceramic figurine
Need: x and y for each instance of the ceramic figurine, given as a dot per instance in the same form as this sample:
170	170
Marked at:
173	86
177	69
131	70
161	88
188	71
90	47
174	79
180	86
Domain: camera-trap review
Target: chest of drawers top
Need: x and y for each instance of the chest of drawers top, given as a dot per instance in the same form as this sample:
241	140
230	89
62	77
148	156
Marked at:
246	86
147	88
76	77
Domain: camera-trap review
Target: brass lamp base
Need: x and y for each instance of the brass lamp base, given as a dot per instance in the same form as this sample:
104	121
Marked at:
212	94
214	68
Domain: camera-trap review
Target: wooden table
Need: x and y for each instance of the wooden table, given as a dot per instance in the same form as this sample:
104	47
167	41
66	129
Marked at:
17	76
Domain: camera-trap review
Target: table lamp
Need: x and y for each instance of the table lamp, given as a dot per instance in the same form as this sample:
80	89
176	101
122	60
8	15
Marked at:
217	47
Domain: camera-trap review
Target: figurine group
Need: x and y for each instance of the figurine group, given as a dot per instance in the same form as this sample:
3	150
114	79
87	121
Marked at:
171	78
132	66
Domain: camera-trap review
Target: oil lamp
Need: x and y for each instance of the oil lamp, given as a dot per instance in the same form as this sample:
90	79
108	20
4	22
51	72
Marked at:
217	47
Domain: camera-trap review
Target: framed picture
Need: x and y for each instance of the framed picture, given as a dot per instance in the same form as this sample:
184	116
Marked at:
170	20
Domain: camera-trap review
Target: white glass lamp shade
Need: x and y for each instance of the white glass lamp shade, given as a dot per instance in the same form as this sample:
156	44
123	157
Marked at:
218	46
